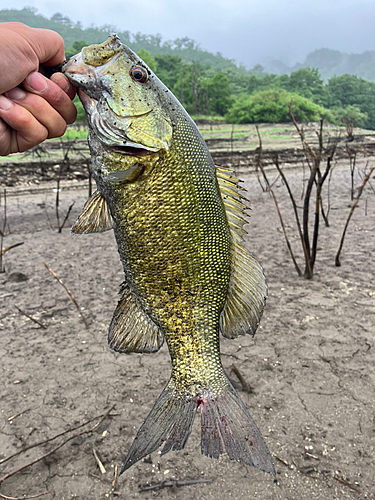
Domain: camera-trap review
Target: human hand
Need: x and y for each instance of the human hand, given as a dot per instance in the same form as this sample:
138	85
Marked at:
40	108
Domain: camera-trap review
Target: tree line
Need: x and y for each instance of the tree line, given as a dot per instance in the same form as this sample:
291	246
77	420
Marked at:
258	97
211	85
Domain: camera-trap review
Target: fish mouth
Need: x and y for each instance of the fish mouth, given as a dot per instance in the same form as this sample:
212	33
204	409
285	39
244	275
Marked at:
132	150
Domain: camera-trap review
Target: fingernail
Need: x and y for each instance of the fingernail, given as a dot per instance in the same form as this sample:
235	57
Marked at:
5	103
16	93
36	81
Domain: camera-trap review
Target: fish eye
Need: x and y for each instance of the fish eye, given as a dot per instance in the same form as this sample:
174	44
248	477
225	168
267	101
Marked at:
139	74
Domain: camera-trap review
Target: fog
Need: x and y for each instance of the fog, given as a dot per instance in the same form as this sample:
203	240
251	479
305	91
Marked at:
245	30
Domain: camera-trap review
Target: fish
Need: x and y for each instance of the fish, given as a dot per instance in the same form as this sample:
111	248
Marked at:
178	222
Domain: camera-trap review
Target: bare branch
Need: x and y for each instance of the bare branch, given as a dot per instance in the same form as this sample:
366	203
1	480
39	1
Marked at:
337	259
311	151
276	205
281	222
69	293
6	249
245	385
294	207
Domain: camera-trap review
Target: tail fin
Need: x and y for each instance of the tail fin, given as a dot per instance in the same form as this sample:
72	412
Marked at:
170	420
225	425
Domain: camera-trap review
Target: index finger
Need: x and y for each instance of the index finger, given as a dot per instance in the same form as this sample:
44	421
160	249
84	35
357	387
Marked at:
24	49
37	84
48	46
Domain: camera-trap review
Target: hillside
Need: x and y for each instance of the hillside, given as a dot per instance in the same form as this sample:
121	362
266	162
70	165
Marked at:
211	85
185	48
330	63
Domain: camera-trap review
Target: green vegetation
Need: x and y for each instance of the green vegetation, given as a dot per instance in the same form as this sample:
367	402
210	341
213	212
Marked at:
212	86
74	133
273	106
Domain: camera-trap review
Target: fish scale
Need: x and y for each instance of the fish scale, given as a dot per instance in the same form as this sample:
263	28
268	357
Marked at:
178	223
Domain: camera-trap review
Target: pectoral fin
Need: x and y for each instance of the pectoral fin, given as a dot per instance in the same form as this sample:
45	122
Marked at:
95	216
131	329
247	288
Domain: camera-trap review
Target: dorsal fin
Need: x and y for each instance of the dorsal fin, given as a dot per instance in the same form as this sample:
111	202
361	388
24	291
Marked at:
95	216
247	288
131	329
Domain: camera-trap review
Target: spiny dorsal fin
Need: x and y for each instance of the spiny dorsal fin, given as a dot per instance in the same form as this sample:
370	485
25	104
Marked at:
131	329
247	288
95	216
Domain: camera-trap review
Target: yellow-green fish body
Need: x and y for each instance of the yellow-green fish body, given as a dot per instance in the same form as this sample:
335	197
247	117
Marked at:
178	224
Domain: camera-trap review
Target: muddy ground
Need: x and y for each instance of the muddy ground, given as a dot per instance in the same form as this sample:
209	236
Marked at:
310	365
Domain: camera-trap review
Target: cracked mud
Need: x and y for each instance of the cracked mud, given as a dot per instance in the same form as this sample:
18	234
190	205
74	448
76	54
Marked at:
311	363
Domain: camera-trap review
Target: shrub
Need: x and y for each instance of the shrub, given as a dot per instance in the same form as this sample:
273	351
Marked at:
272	106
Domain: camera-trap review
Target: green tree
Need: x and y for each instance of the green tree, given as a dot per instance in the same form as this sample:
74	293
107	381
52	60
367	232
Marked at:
75	48
148	58
272	106
189	87
350	90
308	83
217	94
350	116
169	69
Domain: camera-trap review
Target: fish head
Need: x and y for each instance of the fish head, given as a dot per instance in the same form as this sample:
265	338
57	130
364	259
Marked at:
123	106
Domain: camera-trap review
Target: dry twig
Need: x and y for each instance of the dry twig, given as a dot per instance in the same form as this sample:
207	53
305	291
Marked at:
102	417
185	482
18	414
245	385
99	462
114	482
24	498
2	232
6	249
347	484
38	459
69	293
30	317
282	461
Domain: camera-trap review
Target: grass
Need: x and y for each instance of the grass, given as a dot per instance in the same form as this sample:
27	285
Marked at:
211	118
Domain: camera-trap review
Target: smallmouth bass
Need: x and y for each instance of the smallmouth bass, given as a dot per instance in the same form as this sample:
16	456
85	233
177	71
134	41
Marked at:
178	223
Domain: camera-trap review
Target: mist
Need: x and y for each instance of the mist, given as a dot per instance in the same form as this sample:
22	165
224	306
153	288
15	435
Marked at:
250	32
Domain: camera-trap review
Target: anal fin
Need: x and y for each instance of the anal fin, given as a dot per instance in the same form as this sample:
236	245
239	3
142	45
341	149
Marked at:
95	216
131	329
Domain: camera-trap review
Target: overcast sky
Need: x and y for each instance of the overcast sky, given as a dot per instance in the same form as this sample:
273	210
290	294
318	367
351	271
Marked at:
246	30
